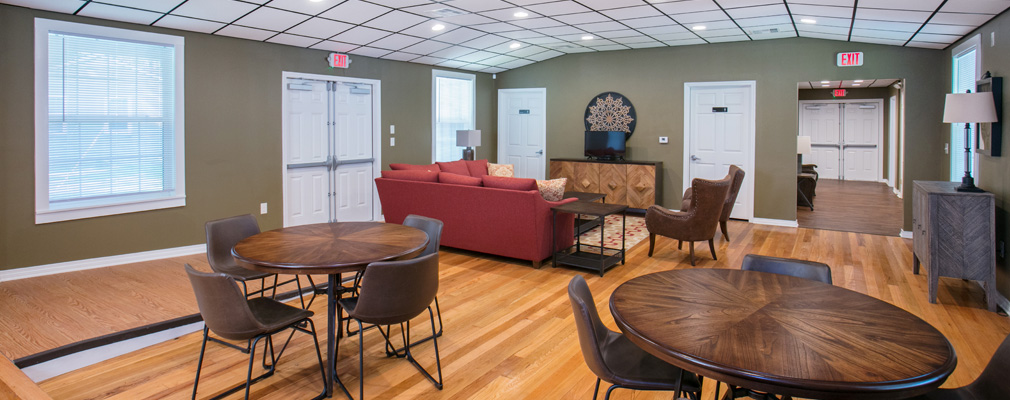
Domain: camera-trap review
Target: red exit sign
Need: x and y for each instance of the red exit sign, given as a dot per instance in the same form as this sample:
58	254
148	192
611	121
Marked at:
839	92
851	59
337	60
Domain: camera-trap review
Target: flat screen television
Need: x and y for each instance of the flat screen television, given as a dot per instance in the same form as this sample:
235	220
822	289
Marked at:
605	145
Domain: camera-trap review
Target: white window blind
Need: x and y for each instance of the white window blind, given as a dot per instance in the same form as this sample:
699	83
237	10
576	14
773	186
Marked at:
964	70
113	130
453	103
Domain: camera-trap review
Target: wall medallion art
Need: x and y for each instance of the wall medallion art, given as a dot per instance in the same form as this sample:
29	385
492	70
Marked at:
611	111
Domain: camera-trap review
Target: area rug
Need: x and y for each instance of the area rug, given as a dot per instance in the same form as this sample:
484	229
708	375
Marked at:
634	229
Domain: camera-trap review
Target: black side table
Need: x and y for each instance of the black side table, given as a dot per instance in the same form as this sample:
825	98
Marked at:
583	225
574	254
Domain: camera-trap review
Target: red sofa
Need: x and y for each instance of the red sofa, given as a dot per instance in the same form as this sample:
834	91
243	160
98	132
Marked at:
509	223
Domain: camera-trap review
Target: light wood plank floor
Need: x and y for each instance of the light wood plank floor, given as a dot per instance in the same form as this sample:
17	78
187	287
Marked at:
853	206
509	329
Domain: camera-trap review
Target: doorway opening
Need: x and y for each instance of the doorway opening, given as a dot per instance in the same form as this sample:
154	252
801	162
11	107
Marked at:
851	141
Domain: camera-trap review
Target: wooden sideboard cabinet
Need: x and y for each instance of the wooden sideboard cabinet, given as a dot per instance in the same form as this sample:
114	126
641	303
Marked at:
954	235
636	184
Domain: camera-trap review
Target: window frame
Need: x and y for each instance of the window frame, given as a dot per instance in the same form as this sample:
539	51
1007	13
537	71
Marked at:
957	130
88	208
435	74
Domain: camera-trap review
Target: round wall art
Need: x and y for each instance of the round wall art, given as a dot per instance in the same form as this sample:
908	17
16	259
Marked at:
611	111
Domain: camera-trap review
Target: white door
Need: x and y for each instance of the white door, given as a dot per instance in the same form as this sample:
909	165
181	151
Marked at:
352	150
720	130
821	122
859	143
522	127
306	154
892	136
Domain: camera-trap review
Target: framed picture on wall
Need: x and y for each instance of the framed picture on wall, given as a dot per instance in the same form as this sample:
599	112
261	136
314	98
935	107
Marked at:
989	136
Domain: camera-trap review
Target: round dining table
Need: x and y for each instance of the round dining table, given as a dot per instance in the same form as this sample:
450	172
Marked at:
331	249
781	334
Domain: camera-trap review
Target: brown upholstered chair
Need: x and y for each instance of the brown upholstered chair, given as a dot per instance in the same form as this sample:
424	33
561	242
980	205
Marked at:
433	228
394	292
228	313
615	359
727	208
991	384
697	223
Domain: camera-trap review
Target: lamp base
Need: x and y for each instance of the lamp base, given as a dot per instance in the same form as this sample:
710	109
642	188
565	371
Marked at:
968	185
468	153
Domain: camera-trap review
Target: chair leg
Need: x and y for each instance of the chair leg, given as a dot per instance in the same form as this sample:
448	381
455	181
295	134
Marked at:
438	361
361	361
596	391
652	244
691	246
439	313
252	359
725	232
611	389
711	247
680	244
199	362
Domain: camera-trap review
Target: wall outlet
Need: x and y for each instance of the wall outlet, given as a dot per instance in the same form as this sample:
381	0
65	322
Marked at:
946	148
392	129
392	142
263	208
664	140
992	39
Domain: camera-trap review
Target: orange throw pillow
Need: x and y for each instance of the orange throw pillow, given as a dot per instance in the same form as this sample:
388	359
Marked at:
501	170
552	189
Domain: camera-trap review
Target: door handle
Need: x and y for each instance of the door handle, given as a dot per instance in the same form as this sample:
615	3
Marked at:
540	152
695	158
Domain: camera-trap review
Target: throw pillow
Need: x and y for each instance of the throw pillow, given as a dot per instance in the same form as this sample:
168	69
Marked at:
457	179
412	167
502	182
552	189
477	168
454	167
501	170
411	175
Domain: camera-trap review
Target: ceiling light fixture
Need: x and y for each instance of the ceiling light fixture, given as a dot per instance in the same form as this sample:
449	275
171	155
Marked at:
438	27
521	14
515	45
825	85
808	21
855	84
858	81
825	81
698	28
587	37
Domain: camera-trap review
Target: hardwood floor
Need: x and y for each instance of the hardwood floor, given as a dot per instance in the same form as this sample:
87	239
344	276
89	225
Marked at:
853	206
510	332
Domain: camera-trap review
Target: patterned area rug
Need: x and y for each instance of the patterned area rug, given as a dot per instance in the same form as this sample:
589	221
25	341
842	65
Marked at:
635	231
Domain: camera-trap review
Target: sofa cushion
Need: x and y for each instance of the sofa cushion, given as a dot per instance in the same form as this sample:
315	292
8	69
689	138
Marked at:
477	168
502	182
501	170
457	179
412	167
553	189
454	167
411	175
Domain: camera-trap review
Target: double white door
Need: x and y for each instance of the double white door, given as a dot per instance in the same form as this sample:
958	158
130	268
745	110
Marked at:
845	139
328	151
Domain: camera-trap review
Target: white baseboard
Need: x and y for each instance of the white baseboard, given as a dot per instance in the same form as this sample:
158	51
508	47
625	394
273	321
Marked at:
905	234
100	262
775	222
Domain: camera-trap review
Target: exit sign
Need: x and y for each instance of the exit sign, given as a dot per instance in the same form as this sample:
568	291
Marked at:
851	59
839	92
337	60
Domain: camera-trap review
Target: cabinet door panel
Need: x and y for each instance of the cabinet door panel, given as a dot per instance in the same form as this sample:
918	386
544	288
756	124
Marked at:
641	186
564	169
587	177
614	183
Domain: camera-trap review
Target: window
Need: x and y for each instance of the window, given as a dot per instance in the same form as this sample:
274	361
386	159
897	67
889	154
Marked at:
965	73
108	121
452	109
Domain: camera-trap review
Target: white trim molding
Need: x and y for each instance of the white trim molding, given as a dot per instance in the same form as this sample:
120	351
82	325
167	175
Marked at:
775	222
100	262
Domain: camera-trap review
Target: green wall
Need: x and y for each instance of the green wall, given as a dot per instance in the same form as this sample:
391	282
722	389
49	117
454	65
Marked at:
233	139
653	79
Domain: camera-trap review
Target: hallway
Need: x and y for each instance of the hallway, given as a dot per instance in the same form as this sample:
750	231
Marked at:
853	206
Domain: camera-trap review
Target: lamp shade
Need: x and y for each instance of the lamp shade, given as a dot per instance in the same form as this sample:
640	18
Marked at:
468	138
969	107
803	145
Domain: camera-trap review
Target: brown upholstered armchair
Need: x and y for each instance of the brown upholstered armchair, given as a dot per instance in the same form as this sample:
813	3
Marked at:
727	208
695	224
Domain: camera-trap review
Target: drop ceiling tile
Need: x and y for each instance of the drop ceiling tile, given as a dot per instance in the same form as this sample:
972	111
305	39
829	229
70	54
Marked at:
505	48
399	3
698	17
508	14
632	12
451	64
527	50
649	22
687	6
659	30
759	11
467	19
300	6
473	67
935	38
496	27
836	3
595	43
395	41
711	33
516	64
646	45
459	35
369	52
746	3
335	46
820	11
63	6
602	27
824	21
271	19
499	59
892	15
476	56
780	34
715	25
360	35
546	55
608	4
675	36
685	42
534	23
116	13
874	33
573	49
214	10
920	5
821	35
485	41
976	6
543	40
479	5
959	30
395	21
453	52
400	56
619	34
582	18
760	21
319	28
162	6
577	38
960	19
424	29
493	70
559	30
558	8
633	39
434	10
524	34
611	47
245	33
877	40
836	30
884	25
927	45
188	24
293	40
355	12
425	47
731	38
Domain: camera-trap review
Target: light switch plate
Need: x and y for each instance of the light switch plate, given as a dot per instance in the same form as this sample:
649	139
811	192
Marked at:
664	139
263	208
392	142
392	129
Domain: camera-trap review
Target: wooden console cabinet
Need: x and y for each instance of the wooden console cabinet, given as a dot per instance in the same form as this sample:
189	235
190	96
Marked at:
954	235
636	184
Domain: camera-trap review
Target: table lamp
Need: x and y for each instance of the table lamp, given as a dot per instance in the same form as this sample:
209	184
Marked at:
469	140
802	149
968	108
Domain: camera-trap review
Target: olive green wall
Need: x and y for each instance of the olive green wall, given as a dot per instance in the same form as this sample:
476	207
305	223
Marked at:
881	93
993	173
233	139
653	80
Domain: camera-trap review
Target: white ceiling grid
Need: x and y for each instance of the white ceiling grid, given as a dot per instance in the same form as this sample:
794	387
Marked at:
481	35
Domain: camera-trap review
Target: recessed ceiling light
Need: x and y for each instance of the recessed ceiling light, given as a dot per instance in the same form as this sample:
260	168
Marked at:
698	27
825	81
808	21
437	27
858	81
515	45
521	14
855	84
825	85
587	37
